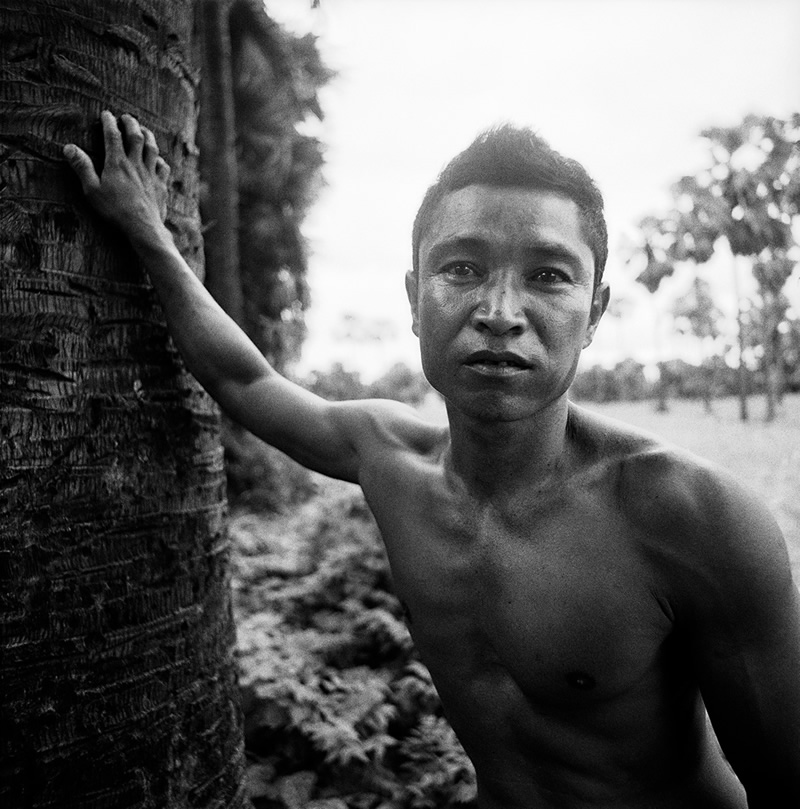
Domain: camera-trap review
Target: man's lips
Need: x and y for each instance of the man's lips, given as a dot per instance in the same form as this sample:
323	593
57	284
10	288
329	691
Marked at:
497	362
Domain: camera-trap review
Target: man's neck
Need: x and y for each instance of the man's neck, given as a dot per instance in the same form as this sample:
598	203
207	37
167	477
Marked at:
499	457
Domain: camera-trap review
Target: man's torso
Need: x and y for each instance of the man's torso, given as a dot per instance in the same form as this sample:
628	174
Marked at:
544	619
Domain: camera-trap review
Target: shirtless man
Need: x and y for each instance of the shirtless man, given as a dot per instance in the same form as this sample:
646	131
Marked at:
581	594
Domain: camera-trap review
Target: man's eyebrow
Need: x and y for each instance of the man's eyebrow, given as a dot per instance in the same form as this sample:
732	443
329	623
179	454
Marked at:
554	250
469	244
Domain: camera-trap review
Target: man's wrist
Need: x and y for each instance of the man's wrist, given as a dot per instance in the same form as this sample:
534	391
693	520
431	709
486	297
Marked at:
152	241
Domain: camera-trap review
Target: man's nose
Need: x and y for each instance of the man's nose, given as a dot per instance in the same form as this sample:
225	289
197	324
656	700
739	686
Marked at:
500	310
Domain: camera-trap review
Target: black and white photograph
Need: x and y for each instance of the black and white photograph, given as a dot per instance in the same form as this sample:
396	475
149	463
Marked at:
399	404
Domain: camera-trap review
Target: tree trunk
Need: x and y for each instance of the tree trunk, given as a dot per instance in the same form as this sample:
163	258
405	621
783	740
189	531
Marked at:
709	378
741	371
780	368
769	320
662	386
118	686
662	389
217	135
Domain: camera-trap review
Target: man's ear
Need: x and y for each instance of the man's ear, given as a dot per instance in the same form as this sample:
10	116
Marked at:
412	289
600	300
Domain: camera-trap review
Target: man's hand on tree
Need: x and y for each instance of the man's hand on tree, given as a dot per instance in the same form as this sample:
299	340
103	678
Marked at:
131	190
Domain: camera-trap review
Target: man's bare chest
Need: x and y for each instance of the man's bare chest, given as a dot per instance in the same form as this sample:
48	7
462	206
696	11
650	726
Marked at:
557	598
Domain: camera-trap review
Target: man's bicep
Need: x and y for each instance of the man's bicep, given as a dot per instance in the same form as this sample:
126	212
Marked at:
306	427
746	644
752	694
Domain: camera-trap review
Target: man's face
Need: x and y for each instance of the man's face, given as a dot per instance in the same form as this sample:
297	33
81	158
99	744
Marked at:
504	299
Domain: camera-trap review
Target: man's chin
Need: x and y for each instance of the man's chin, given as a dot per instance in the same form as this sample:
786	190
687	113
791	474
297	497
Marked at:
491	406
502	406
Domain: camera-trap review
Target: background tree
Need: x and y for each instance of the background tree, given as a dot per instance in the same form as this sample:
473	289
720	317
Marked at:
790	350
276	77
772	269
657	236
696	313
118	687
749	197
259	174
399	382
218	164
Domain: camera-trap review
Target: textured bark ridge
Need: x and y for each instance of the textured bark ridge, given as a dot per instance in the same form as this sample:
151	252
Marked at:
117	687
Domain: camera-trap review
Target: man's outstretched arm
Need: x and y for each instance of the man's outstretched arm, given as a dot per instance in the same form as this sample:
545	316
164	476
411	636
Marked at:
131	192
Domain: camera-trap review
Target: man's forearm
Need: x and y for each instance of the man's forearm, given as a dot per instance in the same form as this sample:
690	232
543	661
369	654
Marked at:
214	348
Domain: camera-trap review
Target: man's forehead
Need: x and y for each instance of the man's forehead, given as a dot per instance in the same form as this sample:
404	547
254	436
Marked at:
484	211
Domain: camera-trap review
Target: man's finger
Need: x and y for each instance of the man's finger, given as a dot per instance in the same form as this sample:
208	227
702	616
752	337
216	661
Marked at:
81	164
150	152
112	137
134	138
162	169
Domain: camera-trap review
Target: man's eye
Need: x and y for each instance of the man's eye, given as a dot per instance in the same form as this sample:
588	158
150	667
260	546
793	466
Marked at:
460	269
548	275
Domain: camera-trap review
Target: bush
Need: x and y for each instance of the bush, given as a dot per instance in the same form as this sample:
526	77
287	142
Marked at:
339	710
399	383
259	477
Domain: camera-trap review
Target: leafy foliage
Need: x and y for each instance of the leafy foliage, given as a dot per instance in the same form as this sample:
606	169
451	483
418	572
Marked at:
261	478
268	81
276	78
747	196
696	311
339	710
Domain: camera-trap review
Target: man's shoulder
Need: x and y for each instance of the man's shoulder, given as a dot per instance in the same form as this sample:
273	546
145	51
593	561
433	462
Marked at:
602	437
384	426
686	504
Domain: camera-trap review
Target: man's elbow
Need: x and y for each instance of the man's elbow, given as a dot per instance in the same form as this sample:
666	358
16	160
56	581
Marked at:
227	381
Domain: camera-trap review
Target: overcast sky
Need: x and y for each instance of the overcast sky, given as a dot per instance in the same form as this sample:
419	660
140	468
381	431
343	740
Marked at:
625	86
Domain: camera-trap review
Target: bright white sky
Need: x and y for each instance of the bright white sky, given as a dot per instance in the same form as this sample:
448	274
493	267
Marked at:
625	86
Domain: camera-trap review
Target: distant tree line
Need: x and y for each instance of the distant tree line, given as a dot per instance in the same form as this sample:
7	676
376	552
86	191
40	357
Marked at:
627	381
400	383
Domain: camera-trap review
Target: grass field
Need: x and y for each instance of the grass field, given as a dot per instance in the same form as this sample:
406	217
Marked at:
765	457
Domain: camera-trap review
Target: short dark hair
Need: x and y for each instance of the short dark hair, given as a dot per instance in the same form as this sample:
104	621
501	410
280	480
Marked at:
512	157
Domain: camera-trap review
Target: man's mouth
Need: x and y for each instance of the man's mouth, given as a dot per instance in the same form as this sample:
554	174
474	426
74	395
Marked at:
497	363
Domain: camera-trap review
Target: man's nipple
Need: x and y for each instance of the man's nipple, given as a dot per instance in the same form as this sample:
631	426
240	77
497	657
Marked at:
580	680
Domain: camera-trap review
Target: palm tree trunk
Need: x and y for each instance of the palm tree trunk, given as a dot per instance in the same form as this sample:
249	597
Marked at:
118	686
217	135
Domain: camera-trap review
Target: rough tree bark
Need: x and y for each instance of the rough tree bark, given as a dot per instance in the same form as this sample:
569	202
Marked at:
117	687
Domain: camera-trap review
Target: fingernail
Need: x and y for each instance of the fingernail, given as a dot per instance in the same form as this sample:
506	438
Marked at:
69	151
